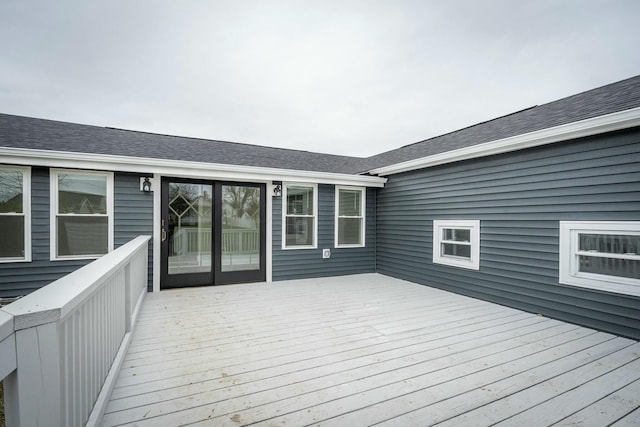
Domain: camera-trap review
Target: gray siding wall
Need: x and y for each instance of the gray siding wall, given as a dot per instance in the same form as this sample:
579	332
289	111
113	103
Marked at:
306	263
520	198
132	216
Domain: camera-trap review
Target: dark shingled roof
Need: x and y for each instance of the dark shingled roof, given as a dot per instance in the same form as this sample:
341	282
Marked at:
611	98
24	132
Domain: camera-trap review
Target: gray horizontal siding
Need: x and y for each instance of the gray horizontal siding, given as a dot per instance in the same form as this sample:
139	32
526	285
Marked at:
132	217
520	198
307	263
133	214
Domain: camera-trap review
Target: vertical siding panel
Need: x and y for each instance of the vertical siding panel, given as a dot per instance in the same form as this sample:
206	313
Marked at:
520	198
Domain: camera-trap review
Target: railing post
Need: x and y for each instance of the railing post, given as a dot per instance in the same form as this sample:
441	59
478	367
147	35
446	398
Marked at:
11	412
8	368
35	394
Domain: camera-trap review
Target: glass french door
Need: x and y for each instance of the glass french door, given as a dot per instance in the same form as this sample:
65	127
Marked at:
212	233
187	233
240	227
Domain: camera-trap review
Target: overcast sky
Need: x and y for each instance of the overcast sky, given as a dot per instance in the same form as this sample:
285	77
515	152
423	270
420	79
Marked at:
344	77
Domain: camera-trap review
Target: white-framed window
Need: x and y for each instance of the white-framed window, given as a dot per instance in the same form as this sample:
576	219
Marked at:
349	217
299	216
602	255
81	214
15	214
457	243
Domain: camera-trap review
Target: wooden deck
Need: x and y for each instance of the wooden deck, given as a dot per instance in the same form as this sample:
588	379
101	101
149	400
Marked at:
366	350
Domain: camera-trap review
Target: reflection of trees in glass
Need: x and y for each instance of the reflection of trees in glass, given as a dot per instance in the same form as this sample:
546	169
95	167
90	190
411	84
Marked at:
190	192
240	202
10	191
189	203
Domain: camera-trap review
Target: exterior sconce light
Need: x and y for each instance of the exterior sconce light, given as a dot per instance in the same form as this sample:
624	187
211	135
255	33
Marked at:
145	185
277	189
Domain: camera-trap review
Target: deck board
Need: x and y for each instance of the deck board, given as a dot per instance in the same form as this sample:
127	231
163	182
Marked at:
608	409
365	350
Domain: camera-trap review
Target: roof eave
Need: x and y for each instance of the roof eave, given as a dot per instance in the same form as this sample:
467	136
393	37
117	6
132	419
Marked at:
597	125
178	168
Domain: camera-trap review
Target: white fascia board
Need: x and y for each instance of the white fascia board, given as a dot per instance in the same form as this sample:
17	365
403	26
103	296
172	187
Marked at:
178	168
588	127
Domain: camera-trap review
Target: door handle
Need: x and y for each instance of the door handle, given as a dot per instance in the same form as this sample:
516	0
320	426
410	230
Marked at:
163	235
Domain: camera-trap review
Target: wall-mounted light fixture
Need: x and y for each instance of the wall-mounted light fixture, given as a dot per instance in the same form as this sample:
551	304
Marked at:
277	188
146	184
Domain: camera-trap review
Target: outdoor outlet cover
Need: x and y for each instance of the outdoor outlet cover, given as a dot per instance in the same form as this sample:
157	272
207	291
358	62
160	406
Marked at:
326	253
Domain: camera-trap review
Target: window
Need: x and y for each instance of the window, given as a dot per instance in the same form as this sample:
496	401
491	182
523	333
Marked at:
81	214
601	255
300	212
350	206
457	243
15	214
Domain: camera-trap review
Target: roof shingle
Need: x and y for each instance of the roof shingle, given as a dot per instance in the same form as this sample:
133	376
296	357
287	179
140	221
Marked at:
25	132
619	96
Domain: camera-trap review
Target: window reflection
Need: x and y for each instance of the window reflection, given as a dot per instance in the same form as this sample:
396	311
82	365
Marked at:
240	228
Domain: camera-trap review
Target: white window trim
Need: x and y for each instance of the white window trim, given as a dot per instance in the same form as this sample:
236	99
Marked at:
26	212
474	227
568	271
285	185
53	188
363	204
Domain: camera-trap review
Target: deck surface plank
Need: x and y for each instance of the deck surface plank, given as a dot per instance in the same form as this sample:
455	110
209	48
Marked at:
365	350
632	419
606	410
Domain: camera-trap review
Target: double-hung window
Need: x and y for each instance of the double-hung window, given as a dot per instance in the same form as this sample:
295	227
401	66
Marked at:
602	255
300	213
81	214
349	218
15	214
457	243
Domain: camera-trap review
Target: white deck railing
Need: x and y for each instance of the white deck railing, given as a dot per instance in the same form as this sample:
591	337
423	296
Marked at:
62	346
193	240
240	241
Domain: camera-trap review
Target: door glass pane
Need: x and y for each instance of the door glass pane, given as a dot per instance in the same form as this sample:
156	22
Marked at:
240	228
189	228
